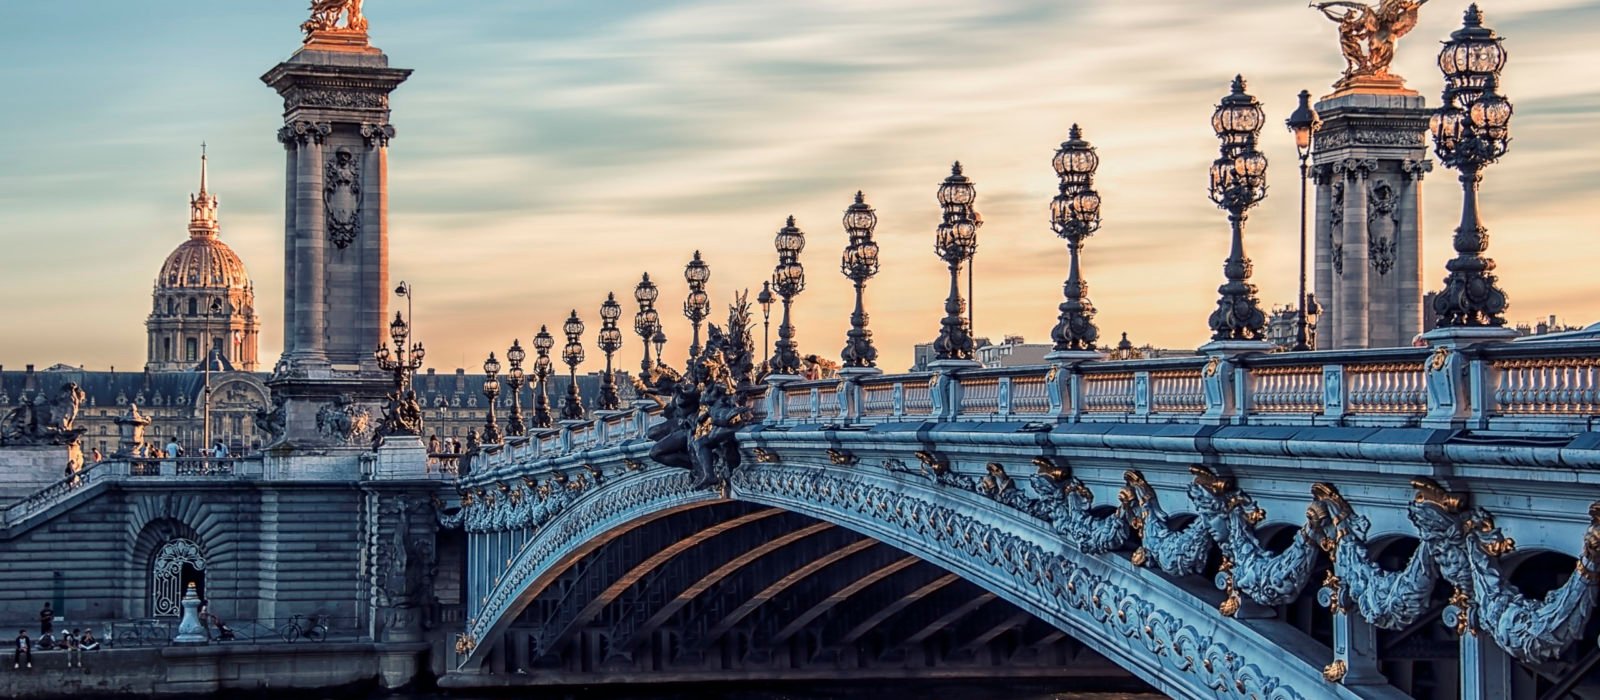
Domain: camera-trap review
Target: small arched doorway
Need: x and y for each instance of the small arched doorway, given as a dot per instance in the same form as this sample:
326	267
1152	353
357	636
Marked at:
176	565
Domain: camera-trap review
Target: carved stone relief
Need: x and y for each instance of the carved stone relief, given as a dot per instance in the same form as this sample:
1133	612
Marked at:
341	194
1383	223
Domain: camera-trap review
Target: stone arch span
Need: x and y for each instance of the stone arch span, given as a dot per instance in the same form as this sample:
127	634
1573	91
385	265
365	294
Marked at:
1142	622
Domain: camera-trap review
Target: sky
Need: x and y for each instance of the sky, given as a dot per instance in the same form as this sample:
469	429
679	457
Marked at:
549	151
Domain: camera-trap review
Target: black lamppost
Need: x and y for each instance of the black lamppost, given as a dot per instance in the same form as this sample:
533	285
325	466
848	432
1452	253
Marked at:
572	354
788	280
609	341
955	243
859	263
542	343
491	391
764	298
659	339
1471	130
1303	123
403	362
1238	182
1074	216
647	320
515	380
697	306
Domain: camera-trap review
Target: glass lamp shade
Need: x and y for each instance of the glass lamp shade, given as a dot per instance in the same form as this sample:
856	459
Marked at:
1472	54
516	354
491	366
764	297
697	304
1238	118
1490	115
1252	166
789	278
541	366
491	386
515	377
399	329
543	341
610	339
381	354
1086	207
610	310
1445	125
697	272
659	340
1075	157
1303	122
1222	174
859	218
790	240
572	354
645	322
417	353
573	327
956	190
646	292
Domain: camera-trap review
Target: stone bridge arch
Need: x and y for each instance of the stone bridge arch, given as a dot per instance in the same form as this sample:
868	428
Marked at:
1143	622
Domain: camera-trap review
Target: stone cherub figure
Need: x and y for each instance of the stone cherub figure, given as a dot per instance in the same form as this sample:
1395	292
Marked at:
1367	35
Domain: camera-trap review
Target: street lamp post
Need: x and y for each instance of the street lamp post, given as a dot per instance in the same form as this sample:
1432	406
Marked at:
211	351
403	363
647	320
515	380
1471	130
491	390
610	341
859	263
542	343
764	298
788	280
1238	182
697	306
659	339
1303	123
956	241
1074	216
572	354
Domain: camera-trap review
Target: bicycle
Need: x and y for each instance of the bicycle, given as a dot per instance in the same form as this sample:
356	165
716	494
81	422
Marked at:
315	629
142	633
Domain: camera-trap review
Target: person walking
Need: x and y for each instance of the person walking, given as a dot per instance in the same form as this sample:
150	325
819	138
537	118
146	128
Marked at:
24	650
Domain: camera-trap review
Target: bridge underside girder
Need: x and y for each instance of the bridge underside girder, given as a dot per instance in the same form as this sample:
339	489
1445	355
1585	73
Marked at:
734	590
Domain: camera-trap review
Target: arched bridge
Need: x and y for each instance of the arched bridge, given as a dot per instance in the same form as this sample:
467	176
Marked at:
1381	523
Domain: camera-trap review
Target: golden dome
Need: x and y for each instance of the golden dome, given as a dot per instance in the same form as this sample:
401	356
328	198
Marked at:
203	261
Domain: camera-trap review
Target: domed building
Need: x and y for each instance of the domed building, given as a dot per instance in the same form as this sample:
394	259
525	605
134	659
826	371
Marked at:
203	299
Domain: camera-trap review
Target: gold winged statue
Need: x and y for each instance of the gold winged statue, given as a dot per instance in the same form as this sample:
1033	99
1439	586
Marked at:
325	15
1367	35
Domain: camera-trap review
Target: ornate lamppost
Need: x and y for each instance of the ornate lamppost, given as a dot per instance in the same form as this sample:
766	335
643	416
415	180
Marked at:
1303	123
764	298
1471	130
515	380
609	341
1238	182
491	391
1074	216
542	343
647	320
572	354
403	363
788	280
697	306
955	242
659	339
859	263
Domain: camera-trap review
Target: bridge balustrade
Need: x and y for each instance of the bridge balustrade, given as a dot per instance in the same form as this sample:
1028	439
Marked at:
137	469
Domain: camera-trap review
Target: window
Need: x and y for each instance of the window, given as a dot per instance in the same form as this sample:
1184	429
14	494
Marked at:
190	350
166	349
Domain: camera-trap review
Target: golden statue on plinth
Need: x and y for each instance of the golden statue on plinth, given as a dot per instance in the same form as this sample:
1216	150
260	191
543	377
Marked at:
1367	36
325	16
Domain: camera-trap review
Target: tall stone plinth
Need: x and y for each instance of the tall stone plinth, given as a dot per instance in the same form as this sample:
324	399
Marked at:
1369	159
335	136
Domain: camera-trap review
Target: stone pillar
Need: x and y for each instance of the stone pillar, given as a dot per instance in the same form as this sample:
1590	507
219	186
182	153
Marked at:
1354	300
335	92
1368	221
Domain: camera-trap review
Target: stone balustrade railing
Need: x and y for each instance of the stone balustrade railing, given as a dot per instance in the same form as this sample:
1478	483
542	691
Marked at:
134	468
1534	387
